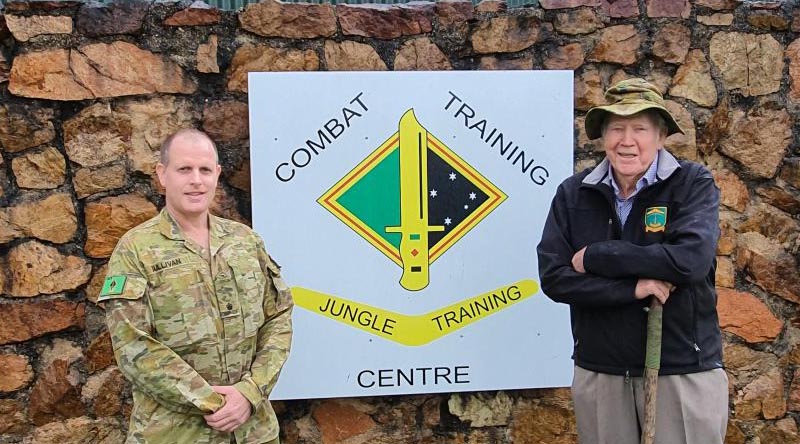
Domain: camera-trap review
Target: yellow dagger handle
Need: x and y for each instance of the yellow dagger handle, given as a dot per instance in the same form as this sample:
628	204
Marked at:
414	226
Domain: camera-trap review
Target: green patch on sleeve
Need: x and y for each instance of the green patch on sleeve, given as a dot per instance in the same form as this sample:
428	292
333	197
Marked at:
113	285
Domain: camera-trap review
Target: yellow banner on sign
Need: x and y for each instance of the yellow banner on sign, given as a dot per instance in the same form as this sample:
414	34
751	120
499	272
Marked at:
414	330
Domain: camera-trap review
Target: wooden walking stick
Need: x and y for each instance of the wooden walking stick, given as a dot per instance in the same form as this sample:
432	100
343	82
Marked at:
652	362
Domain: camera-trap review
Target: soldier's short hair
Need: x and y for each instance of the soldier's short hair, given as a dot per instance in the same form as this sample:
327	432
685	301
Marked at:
186	132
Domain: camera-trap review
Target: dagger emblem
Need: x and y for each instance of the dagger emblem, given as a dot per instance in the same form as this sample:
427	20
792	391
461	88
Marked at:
414	226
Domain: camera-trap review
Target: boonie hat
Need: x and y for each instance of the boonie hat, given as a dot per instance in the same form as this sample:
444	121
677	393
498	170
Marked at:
627	98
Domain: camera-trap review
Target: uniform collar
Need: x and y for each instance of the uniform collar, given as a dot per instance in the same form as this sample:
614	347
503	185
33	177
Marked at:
168	226
216	233
171	230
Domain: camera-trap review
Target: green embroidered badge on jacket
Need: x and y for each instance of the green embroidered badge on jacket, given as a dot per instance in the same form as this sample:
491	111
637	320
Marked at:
655	219
113	285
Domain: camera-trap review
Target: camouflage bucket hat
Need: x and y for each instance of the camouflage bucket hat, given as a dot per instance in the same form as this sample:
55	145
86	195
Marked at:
627	98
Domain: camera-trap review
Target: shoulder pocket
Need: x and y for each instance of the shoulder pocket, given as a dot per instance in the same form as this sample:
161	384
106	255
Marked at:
284	297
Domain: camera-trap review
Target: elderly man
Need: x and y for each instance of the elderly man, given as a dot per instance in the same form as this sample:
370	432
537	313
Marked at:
199	316
640	224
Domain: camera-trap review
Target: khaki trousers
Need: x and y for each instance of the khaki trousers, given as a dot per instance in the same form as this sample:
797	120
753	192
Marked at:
691	409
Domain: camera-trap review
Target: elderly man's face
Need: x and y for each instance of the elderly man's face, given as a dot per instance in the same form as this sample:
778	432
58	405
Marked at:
631	144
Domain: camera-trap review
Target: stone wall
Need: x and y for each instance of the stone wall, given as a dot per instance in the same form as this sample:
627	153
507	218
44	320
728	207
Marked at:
87	93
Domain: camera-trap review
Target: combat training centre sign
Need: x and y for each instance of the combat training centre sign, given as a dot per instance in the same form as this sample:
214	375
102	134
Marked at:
405	210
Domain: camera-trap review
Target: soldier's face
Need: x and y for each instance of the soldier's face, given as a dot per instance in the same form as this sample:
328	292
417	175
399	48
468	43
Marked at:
190	177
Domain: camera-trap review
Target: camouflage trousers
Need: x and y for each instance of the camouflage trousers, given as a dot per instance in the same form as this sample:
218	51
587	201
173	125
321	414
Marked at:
274	441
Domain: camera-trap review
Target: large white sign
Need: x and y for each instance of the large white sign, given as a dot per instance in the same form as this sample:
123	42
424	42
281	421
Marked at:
405	209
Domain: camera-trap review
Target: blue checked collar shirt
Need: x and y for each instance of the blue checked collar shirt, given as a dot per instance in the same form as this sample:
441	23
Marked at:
624	205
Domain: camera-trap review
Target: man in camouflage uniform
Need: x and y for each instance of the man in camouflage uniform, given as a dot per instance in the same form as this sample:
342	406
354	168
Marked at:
200	319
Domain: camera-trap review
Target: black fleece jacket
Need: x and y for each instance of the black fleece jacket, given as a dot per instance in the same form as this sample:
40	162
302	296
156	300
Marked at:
608	322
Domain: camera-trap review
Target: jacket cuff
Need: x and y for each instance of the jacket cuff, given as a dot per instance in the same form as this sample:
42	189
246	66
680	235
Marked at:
250	390
210	404
589	264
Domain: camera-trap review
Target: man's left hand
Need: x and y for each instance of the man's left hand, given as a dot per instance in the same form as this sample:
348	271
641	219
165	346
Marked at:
234	413
577	261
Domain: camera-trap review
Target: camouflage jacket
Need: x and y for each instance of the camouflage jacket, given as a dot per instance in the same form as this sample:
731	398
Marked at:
180	324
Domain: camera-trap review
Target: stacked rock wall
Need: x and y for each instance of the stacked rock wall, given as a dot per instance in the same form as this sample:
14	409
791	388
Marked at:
88	92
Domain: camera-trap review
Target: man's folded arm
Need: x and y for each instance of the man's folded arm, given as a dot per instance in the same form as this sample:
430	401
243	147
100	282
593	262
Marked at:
153	367
688	250
560	281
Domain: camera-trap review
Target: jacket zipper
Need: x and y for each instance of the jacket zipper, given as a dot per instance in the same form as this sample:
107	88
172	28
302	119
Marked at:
610	236
694	328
